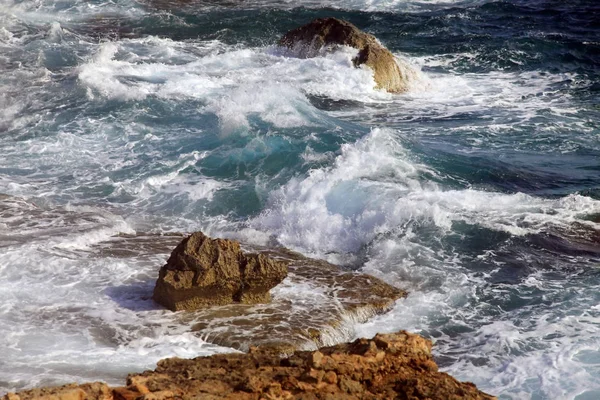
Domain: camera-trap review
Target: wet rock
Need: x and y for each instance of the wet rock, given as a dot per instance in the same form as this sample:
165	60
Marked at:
307	41
316	305
345	371
205	272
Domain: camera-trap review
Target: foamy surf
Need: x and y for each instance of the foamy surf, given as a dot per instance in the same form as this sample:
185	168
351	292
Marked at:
477	190
374	188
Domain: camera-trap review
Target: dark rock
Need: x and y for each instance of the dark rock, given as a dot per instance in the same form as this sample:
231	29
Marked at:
205	272
308	40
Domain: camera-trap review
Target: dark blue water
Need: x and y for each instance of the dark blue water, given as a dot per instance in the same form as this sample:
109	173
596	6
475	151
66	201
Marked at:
478	190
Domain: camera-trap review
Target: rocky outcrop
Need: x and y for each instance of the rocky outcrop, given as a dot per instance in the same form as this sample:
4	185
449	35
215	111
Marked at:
307	41
318	304
391	366
205	272
96	391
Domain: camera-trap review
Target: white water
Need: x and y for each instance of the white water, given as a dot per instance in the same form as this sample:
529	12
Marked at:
373	203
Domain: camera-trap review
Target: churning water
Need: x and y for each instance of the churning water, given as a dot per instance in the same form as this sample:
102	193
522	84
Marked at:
478	190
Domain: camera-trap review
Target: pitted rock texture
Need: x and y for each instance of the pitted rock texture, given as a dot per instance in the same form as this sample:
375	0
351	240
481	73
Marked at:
308	40
390	366
205	272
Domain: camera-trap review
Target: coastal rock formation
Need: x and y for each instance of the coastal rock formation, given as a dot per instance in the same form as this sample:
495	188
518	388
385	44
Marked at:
318	304
390	74
390	366
205	272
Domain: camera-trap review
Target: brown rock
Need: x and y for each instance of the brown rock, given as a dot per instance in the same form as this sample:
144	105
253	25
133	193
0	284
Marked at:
309	40
330	377
126	393
139	383
313	376
281	324
205	272
404	372
96	391
349	386
316	358
160	395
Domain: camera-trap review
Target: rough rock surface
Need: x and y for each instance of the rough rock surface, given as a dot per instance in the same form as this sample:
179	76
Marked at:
96	390
207	272
389	73
298	318
391	366
317	304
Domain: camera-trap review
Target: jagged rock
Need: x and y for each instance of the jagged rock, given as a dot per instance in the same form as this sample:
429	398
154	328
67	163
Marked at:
342	299
390	366
307	41
96	391
205	272
318	304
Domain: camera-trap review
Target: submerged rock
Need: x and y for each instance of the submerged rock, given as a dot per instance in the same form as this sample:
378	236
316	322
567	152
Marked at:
205	272
318	304
390	366
308	40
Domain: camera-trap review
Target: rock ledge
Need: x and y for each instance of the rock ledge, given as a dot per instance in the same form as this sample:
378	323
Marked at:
390	366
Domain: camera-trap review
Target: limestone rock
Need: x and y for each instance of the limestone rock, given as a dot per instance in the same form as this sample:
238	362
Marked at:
328	302
390	366
96	391
307	41
205	272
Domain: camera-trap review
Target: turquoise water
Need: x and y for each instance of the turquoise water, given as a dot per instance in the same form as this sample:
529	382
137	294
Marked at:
477	190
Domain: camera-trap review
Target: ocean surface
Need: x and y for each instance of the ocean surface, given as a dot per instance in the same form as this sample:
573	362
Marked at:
478	190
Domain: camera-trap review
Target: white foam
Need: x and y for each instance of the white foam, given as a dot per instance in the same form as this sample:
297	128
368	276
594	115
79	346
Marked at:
370	200
95	313
502	99
233	83
374	188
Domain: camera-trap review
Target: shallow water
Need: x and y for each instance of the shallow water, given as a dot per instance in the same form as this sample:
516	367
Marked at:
478	190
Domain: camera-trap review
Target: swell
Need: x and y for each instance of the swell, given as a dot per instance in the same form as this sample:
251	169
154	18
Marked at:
478	189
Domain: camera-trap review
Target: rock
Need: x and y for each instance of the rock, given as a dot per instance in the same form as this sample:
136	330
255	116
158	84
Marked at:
96	391
296	318
307	41
205	272
344	299
345	371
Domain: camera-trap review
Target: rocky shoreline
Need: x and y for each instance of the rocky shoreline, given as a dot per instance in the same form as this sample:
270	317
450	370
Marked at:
309	309
281	360
390	366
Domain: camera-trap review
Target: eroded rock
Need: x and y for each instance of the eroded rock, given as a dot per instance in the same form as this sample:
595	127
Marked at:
318	304
389	366
205	272
307	41
96	391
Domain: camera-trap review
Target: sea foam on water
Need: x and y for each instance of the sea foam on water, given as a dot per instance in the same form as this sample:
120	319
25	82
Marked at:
476	190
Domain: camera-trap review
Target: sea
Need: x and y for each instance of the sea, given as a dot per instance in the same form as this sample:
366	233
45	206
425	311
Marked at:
477	190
